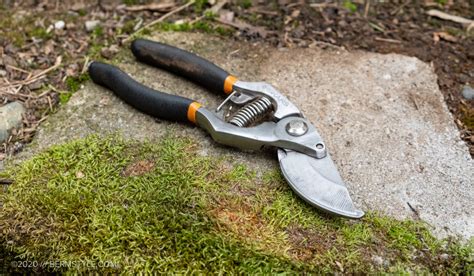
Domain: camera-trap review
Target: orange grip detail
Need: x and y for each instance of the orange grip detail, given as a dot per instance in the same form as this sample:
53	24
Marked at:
229	83
193	107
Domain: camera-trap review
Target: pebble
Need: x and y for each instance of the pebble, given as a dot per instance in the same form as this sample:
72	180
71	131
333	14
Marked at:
35	85
468	92
444	257
378	261
91	25
10	117
59	25
3	73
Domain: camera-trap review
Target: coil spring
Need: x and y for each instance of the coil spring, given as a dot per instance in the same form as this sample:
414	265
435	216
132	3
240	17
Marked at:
251	112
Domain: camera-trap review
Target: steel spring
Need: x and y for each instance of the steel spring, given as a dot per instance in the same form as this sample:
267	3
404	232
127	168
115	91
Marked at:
251	112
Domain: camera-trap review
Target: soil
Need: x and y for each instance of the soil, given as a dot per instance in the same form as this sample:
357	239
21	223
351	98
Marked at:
395	27
390	27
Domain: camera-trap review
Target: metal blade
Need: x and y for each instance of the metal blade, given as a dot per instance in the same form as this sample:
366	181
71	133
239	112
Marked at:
318	182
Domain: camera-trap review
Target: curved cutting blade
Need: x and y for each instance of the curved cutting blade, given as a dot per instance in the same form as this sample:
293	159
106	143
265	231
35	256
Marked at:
318	182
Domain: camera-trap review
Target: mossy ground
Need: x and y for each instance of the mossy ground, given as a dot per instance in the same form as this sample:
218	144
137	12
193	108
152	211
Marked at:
161	207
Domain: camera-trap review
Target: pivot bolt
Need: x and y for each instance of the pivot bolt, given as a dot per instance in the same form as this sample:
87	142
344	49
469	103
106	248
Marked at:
320	150
296	128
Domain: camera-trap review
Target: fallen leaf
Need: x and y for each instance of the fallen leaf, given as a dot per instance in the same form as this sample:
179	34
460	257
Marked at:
49	47
295	13
443	35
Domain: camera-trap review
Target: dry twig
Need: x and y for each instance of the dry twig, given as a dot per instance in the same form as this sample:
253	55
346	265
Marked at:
159	20
454	18
161	7
366	8
387	40
397	10
31	79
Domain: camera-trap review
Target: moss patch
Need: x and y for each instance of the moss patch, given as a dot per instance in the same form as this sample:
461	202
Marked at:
467	116
204	25
160	207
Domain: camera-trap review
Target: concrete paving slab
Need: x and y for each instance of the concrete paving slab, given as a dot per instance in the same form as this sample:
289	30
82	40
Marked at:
382	116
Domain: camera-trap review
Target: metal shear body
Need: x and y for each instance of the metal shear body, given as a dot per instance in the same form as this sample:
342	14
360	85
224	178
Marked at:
254	115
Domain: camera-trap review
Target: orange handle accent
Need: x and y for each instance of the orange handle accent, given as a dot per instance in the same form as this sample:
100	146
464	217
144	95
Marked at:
193	107
229	83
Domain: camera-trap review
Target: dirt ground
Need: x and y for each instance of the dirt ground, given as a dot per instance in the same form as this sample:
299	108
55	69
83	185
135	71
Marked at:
30	44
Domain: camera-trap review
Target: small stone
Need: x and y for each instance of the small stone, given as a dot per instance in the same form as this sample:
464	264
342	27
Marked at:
91	25
35	85
59	25
378	261
3	73
468	92
11	116
444	257
342	23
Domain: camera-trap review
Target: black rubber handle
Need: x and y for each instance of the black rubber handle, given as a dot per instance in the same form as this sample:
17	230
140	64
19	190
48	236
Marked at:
149	101
182	63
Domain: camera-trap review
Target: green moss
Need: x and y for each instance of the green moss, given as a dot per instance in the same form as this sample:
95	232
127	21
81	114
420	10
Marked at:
74	83
40	33
224	31
467	116
245	4
162	208
349	5
82	12
174	27
152	222
210	15
128	27
131	2
203	26
455	31
19	29
98	32
64	97
199	5
6	23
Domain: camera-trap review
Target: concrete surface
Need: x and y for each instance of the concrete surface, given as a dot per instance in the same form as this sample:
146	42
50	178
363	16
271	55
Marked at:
382	117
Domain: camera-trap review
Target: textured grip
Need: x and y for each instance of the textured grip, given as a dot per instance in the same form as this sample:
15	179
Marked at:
147	100
182	63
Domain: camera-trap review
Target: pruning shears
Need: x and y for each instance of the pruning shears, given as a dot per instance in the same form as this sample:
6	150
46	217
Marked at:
254	115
